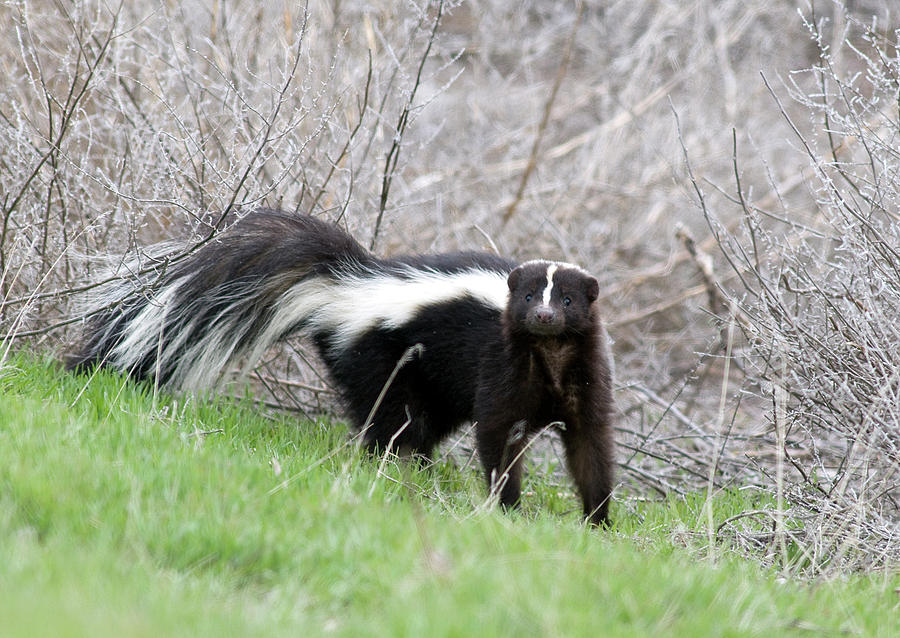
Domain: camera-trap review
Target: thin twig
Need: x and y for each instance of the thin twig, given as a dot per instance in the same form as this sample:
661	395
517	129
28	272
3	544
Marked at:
390	162
545	118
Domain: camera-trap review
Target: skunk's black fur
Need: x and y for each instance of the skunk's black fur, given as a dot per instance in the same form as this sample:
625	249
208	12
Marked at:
516	348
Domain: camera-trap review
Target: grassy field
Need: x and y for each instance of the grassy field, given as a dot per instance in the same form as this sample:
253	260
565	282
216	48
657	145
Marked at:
126	514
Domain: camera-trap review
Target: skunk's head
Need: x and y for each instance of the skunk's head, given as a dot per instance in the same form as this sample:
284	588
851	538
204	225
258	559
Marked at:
551	299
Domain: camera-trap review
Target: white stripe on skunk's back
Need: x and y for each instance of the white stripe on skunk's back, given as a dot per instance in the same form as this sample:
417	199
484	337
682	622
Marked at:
352	305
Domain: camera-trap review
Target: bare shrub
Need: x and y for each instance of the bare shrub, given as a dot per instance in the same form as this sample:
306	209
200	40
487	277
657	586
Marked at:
126	124
817	295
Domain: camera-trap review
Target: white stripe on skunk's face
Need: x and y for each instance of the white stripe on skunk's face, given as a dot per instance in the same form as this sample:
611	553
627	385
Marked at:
350	307
555	264
548	289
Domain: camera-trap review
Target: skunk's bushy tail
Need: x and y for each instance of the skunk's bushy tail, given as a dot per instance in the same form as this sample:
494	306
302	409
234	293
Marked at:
185	323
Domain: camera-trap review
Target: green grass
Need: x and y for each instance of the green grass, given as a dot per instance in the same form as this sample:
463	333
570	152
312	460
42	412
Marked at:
118	518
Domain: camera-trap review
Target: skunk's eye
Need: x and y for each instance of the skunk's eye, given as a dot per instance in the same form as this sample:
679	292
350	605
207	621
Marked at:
528	297
567	301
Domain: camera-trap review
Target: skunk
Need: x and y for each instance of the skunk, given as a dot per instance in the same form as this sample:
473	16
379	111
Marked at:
416	345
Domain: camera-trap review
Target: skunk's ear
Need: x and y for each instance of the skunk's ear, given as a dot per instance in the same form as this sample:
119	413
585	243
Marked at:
513	280
591	288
